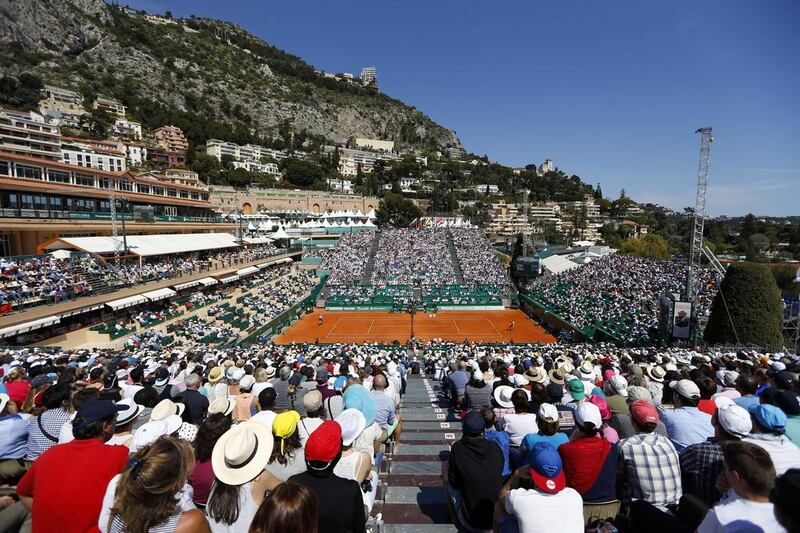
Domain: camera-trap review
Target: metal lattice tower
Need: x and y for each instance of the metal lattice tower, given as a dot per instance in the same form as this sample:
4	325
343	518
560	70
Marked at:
696	245
114	233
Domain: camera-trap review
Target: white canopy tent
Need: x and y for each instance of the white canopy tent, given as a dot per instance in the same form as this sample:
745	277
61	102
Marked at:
159	294
186	285
209	281
29	326
124	303
247	271
555	264
149	245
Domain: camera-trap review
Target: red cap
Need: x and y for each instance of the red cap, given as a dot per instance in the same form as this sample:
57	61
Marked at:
643	412
330	367
324	443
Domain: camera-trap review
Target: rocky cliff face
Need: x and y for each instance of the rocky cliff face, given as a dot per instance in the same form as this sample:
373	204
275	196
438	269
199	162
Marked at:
199	66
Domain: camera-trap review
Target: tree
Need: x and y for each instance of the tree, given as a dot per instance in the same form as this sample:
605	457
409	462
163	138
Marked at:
757	243
598	193
747	309
649	246
622	194
396	211
23	92
98	121
301	172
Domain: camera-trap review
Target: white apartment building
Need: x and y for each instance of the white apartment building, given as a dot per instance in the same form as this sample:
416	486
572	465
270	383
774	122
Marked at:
28	134
487	188
369	75
343	186
408	184
592	209
85	155
455	153
507	220
545	167
62	106
135	152
258	166
350	159
114	107
128	129
549	210
246	152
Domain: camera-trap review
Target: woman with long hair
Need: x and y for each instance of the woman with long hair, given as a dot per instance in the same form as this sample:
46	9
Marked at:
149	496
290	507
208	434
288	457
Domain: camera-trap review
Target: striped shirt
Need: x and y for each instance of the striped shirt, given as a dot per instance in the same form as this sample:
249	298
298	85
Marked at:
653	469
51	421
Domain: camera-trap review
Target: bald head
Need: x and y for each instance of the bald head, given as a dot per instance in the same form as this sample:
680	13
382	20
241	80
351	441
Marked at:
379	382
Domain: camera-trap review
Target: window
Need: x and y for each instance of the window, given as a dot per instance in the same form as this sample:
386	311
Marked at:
204	197
55	203
40	202
83	179
172	192
144	189
195	195
84	204
66	157
125	185
106	183
80	159
58	176
26	201
158	190
171	211
29	172
105	206
184	194
5	168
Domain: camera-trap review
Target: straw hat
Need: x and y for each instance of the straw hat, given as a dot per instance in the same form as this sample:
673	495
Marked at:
535	374
165	408
557	376
241	453
502	395
222	405
216	374
656	373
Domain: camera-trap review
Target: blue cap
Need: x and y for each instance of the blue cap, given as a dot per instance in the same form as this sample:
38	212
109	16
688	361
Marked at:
358	397
474	424
769	416
547	471
95	410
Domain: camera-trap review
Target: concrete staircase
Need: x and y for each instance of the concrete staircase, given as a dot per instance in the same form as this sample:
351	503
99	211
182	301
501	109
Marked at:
371	260
413	499
454	258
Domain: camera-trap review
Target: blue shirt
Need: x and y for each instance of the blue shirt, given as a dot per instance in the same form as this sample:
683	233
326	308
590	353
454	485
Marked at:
531	439
502	440
746	401
13	437
384	409
458	382
687	426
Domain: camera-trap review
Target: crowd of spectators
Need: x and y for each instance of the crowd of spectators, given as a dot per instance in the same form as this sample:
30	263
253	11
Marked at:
273	299
478	262
552	436
47	279
348	259
619	292
407	255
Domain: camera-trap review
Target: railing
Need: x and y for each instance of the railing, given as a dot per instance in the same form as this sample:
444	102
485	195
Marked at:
93	215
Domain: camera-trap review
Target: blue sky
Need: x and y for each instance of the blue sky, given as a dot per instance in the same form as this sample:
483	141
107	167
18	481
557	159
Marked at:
611	91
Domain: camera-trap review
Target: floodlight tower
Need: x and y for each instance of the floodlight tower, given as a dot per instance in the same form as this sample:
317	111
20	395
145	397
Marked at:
696	245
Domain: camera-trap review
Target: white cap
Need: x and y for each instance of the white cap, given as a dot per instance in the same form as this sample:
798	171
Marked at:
686	388
734	420
588	413
352	422
620	385
247	382
548	412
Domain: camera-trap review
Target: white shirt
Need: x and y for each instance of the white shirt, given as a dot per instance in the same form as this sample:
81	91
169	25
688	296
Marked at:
65	433
783	452
185	497
264	417
129	391
307	426
539	512
519	425
735	514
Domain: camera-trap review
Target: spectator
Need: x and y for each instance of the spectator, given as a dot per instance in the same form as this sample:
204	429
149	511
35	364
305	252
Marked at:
518	424
650	463
384	409
196	403
16	386
66	484
769	423
590	462
290	507
548	432
243	402
750	474
340	504
150	495
498	437
789	403
474	473
746	385
238	461
202	476
686	424
123	429
355	464
534	488
701	463
707	388
784	497
616	390
266	407
13	441
312	403
477	393
287	458
44	429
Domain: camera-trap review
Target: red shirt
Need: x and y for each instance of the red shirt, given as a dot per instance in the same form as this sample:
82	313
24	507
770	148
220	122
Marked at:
707	406
583	460
68	482
201	479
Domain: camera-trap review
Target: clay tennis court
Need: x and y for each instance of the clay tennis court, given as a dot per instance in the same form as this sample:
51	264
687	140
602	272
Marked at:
376	326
